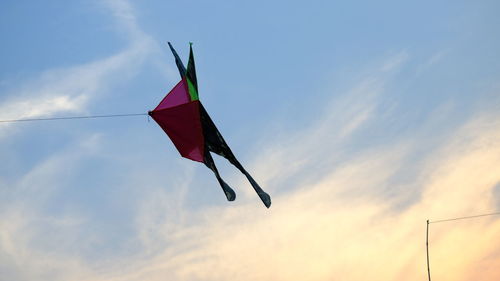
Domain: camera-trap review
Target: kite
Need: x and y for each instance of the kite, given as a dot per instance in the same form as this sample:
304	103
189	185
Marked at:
186	122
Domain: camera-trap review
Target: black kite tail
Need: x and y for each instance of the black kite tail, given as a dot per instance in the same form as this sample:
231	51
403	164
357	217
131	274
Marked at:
214	142
228	191
266	199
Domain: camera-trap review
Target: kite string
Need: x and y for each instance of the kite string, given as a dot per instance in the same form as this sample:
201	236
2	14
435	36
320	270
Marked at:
72	117
445	220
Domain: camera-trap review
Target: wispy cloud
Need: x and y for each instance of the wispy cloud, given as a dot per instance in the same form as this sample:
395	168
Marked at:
28	247
71	89
333	227
328	220
395	61
31	240
322	230
434	59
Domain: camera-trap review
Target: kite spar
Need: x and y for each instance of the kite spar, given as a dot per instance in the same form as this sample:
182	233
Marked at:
184	119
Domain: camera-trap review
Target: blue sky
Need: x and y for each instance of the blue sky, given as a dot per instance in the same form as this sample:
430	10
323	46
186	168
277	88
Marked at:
361	119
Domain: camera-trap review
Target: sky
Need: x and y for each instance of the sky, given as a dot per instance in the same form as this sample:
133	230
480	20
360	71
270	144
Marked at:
361	119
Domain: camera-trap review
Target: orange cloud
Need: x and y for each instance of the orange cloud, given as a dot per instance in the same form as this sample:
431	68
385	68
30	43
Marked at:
339	226
322	232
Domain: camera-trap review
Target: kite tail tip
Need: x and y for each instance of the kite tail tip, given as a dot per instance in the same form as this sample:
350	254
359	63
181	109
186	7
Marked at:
266	199
228	191
231	196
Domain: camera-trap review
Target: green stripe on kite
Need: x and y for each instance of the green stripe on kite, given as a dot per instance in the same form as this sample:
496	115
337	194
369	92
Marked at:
192	90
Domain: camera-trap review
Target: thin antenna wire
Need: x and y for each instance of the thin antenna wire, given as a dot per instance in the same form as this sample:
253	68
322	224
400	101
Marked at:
72	117
444	220
463	218
427	247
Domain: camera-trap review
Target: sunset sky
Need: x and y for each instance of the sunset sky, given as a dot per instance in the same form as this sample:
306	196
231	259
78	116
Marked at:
361	119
